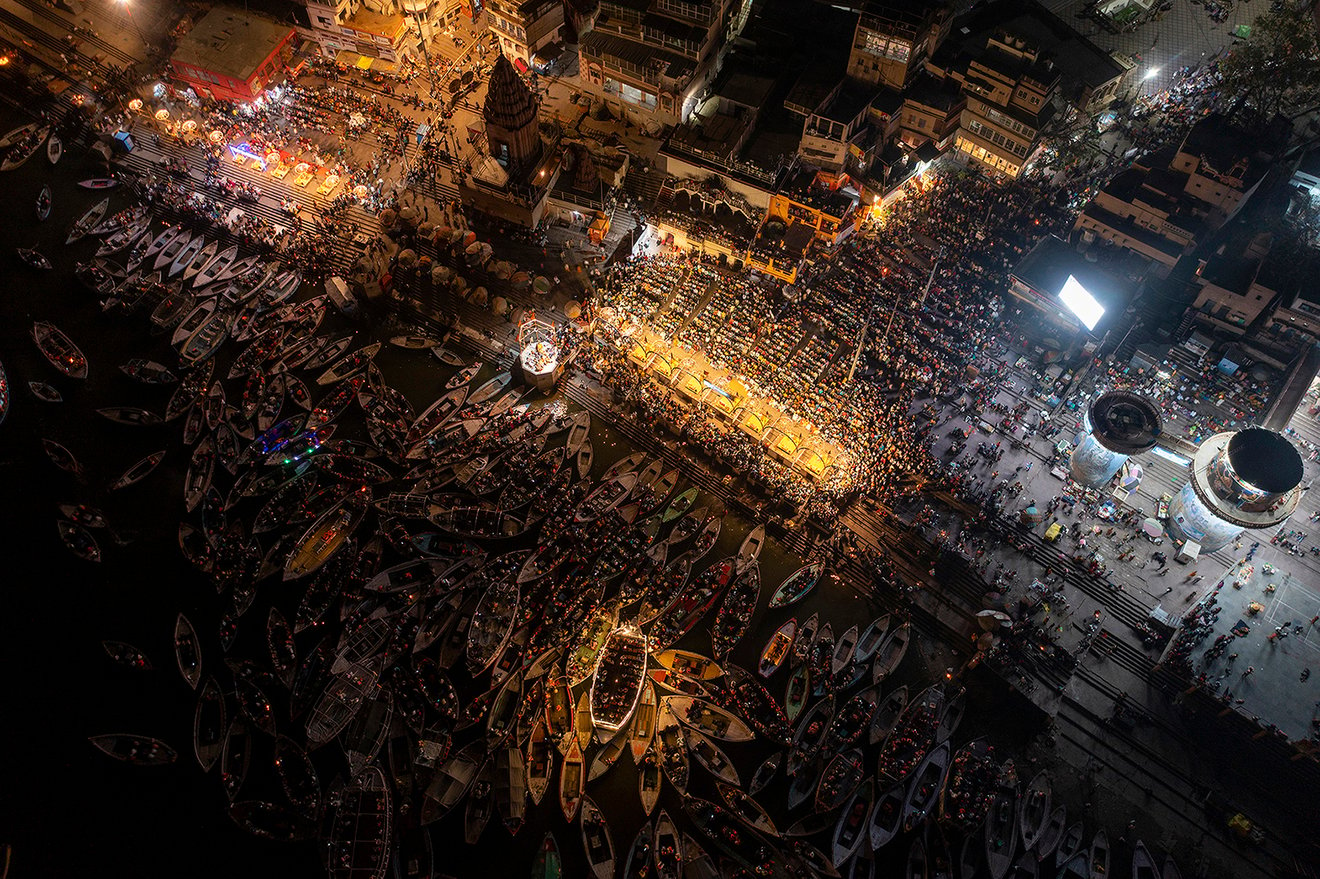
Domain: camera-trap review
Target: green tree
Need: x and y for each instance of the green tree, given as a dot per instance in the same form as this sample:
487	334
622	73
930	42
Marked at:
1277	69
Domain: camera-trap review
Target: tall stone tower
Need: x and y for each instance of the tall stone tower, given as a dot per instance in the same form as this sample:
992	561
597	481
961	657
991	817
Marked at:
512	134
1119	424
1247	479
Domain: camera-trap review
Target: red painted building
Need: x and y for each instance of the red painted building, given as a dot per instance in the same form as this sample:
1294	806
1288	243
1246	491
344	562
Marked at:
231	55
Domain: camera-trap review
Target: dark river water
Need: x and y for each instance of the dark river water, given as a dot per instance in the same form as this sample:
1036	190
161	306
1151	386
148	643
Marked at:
69	810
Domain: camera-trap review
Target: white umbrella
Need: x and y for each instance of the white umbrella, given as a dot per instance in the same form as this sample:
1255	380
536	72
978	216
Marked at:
441	275
572	310
408	257
480	296
500	306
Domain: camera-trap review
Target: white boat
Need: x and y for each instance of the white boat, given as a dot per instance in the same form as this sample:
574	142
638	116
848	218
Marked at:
184	257
83	226
199	261
54	148
210	272
596	840
619	678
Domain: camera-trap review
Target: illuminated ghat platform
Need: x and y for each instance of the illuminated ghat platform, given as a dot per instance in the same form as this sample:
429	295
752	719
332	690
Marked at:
538	360
690	376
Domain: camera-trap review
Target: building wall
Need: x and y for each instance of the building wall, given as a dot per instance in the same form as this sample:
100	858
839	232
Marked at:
1121	239
519	35
226	88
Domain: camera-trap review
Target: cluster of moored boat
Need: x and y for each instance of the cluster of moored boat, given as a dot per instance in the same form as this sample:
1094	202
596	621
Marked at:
479	628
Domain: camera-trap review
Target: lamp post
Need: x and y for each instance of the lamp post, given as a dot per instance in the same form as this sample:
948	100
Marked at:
128	10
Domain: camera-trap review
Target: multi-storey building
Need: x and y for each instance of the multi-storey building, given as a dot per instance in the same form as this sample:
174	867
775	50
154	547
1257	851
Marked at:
233	56
369	29
1009	88
1162	205
651	60
893	38
524	27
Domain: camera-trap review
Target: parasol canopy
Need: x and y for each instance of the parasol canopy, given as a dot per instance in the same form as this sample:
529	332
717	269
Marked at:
479	296
408	257
572	309
989	620
541	284
1151	527
500	306
441	275
520	280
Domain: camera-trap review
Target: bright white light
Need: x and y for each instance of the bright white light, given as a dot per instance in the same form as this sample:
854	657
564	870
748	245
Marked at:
1152	73
1081	303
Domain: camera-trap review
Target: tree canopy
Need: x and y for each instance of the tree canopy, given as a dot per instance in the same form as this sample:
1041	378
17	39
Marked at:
1277	69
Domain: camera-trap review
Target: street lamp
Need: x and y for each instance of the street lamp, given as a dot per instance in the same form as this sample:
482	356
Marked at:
128	10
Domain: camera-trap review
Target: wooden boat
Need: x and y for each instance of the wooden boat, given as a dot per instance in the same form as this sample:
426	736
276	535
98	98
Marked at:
582	720
138	750
764	773
572	780
689	664
54	149
79	541
200	313
871	639
927	781
297	774
132	415
1171	870
236	759
734	616
852	825
187	651
210	725
818	662
361	831
214	266
138	471
480	804
750	550
98	183
1001	836
596	840
149	372
1143	865
341	700
33	258
843	651
886	819
327	535
712	757
642	729
891	653
61	457
1070	847
746	809
611	749
1034	810
709	718
671	748
797	585
127	655
539	764
667	848
1099	856
585	456
59	350
172	248
951	718
804	640
1048	841
45	392
842	774
797	693
43	203
347	365
648	780
677	683
83	225
413	342
24	149
186	256
778	648
17	134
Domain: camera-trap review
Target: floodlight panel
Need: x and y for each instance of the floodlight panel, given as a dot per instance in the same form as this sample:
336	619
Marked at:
1081	303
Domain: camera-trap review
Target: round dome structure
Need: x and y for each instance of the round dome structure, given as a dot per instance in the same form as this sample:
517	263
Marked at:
1125	422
